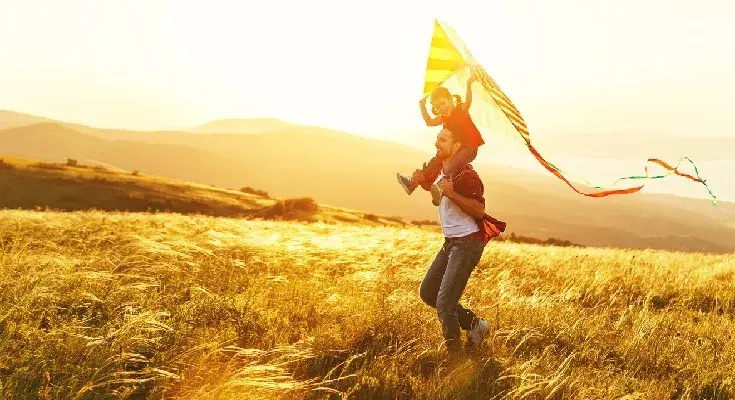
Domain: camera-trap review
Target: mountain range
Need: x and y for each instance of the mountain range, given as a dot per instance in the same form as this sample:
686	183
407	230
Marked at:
354	172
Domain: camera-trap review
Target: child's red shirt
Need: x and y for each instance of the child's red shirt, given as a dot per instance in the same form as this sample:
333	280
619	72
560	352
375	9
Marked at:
460	123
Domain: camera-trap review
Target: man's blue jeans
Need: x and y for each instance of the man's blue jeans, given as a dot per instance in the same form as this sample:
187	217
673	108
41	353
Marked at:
445	281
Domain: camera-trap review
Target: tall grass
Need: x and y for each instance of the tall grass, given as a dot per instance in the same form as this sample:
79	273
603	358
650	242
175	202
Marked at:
100	305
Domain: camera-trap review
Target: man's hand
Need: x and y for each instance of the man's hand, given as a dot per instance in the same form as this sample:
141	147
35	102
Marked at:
471	206
446	186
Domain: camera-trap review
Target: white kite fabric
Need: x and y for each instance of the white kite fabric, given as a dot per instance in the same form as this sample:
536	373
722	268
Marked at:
450	64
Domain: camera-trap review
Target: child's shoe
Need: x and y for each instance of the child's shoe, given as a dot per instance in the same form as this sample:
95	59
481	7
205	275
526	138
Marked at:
406	183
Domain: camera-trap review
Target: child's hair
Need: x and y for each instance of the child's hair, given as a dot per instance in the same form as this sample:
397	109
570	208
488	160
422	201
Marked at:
445	93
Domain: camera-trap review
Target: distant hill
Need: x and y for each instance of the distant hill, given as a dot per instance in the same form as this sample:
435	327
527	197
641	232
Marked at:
358	173
245	126
12	119
29	184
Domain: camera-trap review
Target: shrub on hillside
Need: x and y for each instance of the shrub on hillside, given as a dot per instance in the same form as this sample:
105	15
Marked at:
559	242
531	240
135	172
100	168
71	162
257	192
371	217
306	204
289	209
5	165
397	220
48	165
424	222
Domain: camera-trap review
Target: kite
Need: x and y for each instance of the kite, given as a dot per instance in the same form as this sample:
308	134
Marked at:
450	63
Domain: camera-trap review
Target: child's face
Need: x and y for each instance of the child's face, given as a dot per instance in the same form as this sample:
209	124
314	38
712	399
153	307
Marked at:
443	105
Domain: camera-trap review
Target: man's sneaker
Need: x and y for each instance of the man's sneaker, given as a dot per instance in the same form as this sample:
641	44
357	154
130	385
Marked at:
407	184
477	334
436	195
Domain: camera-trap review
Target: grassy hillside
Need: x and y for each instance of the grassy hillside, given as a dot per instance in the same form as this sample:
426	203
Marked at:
125	306
33	185
357	173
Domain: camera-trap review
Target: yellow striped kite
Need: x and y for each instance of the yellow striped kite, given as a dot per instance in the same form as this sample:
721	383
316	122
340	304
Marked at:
449	58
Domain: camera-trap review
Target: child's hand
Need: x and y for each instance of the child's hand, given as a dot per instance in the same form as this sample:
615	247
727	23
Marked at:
422	103
473	76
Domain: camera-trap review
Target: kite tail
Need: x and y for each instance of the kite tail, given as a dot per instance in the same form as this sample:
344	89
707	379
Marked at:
676	171
603	193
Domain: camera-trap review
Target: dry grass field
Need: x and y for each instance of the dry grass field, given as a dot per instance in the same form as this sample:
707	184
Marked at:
107	305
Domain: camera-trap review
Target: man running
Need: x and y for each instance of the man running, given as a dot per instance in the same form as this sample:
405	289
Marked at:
467	229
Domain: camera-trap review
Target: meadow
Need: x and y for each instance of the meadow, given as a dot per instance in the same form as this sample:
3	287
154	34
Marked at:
108	305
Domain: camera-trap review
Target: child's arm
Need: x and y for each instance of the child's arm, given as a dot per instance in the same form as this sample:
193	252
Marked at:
427	118
468	98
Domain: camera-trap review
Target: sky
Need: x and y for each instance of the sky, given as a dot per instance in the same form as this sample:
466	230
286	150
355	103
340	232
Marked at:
570	66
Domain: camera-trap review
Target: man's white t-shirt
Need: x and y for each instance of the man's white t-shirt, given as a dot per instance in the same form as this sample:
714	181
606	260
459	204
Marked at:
455	222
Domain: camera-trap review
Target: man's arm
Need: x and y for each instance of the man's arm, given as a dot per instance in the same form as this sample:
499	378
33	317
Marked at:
473	207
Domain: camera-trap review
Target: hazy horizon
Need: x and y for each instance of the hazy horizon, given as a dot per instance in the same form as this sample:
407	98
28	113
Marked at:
572	68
